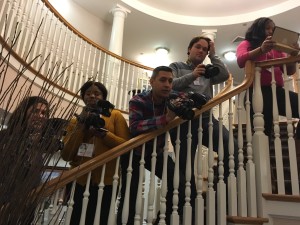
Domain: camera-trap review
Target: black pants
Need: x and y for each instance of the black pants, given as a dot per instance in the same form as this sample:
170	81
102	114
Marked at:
205	142
92	204
268	105
135	180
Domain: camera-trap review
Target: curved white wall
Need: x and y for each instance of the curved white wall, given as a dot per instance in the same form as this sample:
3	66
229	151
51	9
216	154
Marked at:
91	26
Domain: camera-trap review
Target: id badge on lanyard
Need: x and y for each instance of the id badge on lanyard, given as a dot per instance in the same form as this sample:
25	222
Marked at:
86	150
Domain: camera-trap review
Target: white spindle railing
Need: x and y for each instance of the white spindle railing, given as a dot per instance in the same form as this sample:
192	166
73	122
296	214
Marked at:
241	175
244	193
43	33
221	187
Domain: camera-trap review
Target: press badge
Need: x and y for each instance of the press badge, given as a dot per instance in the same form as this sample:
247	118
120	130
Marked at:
86	150
197	81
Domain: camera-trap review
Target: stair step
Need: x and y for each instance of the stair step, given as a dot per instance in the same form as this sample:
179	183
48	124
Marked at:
246	220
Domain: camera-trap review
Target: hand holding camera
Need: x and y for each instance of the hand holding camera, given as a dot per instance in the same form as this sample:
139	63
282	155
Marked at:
182	104
208	71
91	116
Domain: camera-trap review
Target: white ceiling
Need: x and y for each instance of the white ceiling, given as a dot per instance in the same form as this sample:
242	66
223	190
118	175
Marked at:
172	23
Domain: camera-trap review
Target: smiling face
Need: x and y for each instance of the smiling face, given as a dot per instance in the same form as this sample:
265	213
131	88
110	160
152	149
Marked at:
198	51
161	86
92	95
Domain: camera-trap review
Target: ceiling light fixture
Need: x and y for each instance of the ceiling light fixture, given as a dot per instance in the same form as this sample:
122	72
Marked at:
162	51
230	56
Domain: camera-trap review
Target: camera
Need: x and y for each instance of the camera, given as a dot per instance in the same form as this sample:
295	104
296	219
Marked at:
211	71
94	120
104	108
182	104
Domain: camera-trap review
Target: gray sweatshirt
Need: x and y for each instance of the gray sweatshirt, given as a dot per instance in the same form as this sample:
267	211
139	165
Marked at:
185	81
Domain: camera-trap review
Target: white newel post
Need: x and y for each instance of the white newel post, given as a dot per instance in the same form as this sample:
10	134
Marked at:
260	144
115	46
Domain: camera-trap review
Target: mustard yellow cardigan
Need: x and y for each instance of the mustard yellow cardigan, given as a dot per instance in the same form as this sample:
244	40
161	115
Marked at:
117	134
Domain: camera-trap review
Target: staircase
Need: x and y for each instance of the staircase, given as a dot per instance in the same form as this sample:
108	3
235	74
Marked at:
285	156
285	159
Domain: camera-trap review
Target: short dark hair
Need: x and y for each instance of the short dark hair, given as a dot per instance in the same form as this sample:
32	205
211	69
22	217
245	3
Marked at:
256	32
88	84
18	117
160	68
196	39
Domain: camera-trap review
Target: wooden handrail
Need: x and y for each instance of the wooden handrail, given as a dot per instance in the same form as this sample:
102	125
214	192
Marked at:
70	175
278	62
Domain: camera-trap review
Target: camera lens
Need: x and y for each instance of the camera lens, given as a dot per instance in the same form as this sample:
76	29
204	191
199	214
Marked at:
211	71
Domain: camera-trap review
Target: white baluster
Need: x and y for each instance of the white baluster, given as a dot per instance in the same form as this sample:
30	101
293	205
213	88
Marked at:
68	61
35	48
175	217
101	185
93	72
44	59
26	33
210	196
15	25
103	65
291	142
82	55
125	209
151	193
125	104
40	212
250	167
112	210
199	204
70	204
87	64
164	185
138	218
157	199
49	63
122	91
231	180
3	14
260	145
11	18
241	174
53	211
74	59
62	57
41	41
187	209
85	199
221	194
115	80
33	33
277	140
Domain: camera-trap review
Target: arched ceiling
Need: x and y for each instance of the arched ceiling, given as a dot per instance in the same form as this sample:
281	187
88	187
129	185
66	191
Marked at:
172	23
213	12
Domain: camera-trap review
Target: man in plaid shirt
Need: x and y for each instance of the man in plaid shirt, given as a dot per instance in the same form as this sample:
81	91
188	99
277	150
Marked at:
148	111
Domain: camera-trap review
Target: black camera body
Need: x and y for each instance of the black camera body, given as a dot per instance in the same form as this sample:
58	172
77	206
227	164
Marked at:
182	104
94	120
211	71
